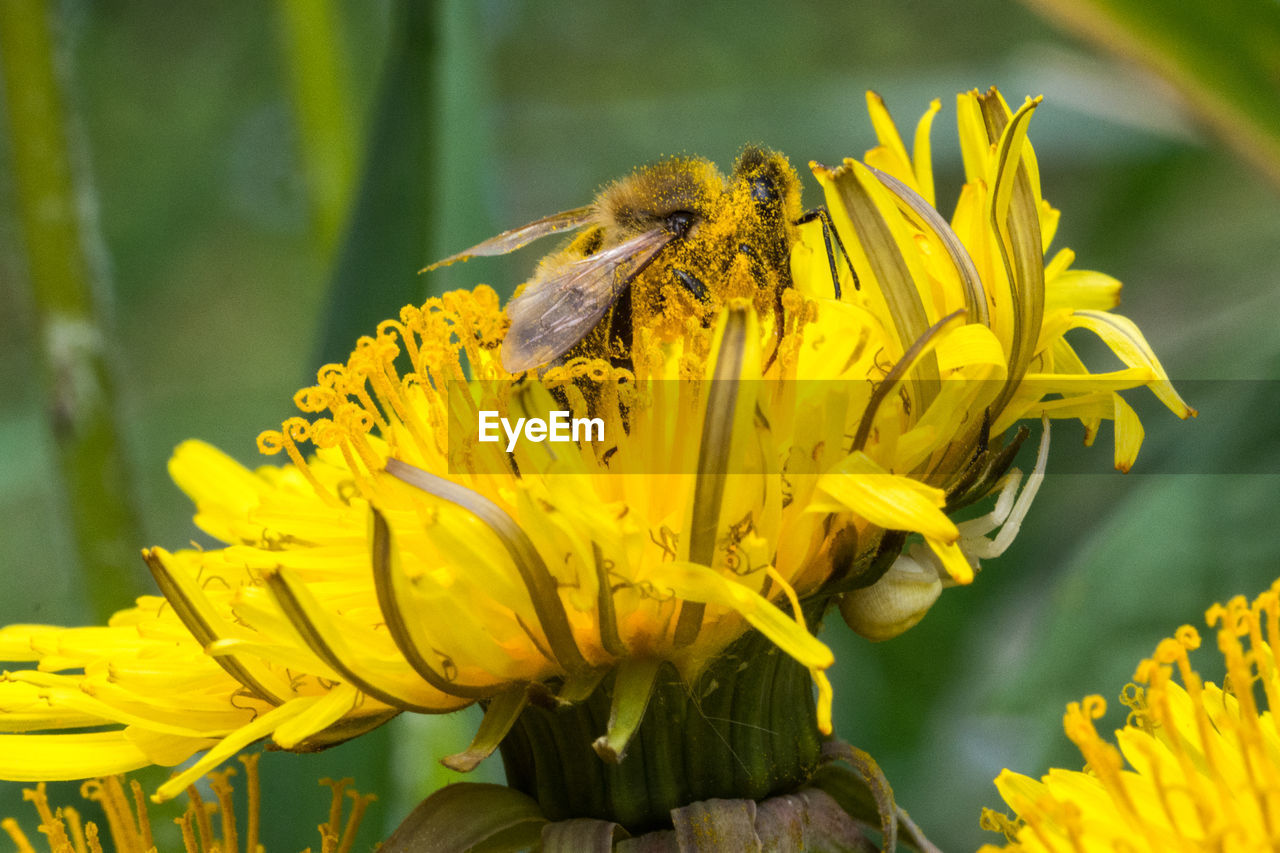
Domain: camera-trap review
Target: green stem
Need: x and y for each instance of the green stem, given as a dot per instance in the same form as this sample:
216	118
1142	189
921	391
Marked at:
73	339
323	109
1222	55
387	234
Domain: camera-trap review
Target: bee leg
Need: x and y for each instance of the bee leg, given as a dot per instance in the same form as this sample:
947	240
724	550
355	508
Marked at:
620	334
762	280
829	231
690	283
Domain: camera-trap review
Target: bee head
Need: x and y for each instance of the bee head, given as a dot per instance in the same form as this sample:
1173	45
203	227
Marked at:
769	182
673	195
680	222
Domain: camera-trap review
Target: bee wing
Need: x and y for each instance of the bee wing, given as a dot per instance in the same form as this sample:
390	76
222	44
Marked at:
556	310
509	241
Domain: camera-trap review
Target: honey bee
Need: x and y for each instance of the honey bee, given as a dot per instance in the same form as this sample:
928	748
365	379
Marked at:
669	233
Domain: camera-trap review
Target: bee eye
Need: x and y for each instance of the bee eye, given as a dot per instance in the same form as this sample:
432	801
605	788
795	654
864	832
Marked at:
679	223
763	190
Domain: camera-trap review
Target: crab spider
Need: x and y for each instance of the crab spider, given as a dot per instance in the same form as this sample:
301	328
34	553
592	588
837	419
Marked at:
913	583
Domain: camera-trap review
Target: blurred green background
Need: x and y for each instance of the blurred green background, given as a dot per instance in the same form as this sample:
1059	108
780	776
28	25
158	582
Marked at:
223	220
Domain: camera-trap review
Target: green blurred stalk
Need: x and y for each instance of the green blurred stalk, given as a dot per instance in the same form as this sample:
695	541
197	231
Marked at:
318	76
391	223
465	176
1224	55
73	339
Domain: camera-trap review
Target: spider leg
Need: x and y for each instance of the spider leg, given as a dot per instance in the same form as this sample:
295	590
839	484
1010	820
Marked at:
984	524
1013	523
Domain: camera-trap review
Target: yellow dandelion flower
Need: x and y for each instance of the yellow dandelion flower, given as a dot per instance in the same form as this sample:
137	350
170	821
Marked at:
779	406
129	828
1010	359
1203	761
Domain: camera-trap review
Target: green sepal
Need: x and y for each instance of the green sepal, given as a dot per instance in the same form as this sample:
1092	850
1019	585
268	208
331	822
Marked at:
847	788
871	783
870	568
860	788
631	690
578	686
746	727
808	821
469	816
713	825
581	835
979	477
499	717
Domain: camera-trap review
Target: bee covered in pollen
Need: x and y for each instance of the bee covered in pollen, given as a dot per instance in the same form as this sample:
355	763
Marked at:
671	241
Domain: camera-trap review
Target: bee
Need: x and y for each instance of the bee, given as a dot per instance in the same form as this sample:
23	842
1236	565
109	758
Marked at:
655	248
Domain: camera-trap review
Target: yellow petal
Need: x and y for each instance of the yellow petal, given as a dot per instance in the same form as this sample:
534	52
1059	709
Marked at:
231	744
1040	384
32	758
166	749
23	707
953	559
923	164
1129	434
332	707
17	642
1128	343
212	478
1077	289
975	147
861	485
693	582
893	158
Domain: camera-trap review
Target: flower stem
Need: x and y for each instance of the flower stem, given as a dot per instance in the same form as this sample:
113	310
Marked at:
392	214
73	339
311	37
